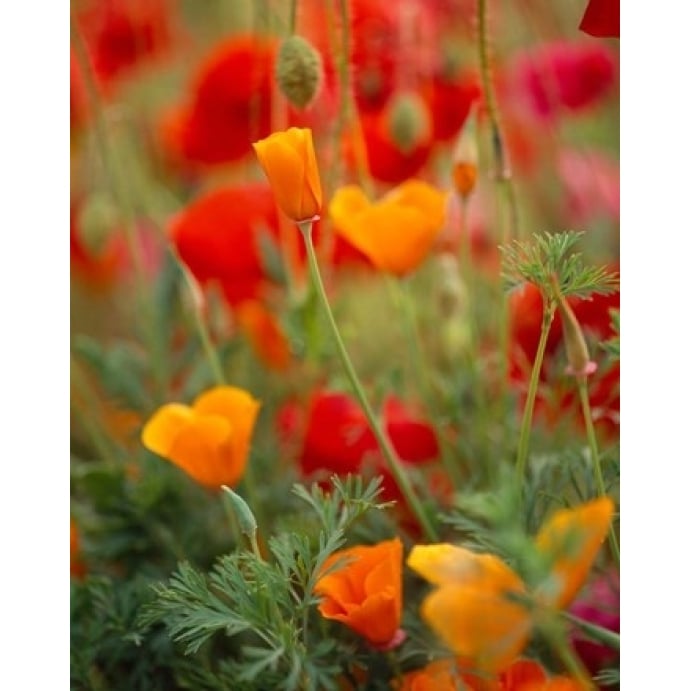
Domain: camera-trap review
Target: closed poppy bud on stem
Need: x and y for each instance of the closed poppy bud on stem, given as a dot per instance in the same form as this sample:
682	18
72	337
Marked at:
464	171
290	164
580	364
409	121
299	71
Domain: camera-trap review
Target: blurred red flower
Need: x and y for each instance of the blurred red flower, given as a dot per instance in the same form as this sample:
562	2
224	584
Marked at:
561	75
228	106
217	237
336	437
601	19
450	99
120	34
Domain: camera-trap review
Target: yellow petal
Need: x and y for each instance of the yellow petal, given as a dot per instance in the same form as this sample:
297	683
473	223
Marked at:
478	623
571	539
161	430
443	564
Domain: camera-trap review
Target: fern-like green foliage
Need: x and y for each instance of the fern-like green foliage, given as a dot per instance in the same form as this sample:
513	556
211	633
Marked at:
549	256
267	605
612	345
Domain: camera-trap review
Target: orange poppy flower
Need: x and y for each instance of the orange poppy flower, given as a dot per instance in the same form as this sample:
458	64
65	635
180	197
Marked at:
290	164
209	440
445	675
476	609
395	233
366	592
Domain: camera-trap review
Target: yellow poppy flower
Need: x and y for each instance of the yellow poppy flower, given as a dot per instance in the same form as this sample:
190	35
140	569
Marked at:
209	440
397	232
479	608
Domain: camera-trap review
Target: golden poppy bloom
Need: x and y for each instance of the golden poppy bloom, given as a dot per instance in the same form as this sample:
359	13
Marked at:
397	232
290	164
209	440
366	592
476	608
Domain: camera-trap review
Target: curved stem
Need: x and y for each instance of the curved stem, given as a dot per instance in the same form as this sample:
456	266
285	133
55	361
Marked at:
595	456
389	453
502	170
524	438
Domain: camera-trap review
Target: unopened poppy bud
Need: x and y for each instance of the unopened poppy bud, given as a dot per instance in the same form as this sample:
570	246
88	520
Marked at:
246	519
299	71
580	364
409	121
464	171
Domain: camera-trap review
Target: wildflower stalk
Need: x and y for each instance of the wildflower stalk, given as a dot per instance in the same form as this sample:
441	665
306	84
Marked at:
293	17
501	168
526	424
595	456
556	635
599	633
390	456
121	196
200	324
402	298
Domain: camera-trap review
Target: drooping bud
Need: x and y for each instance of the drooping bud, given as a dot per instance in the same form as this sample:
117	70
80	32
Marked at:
465	158
299	71
580	364
246	519
409	121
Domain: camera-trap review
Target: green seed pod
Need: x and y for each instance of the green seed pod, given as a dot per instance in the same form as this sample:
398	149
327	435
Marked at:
410	123
299	71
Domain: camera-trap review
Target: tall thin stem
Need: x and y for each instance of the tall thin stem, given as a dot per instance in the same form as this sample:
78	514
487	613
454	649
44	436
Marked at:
389	453
526	424
595	456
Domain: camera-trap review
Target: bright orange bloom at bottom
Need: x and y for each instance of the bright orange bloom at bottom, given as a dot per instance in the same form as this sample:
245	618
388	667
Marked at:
447	675
477	608
210	440
366	592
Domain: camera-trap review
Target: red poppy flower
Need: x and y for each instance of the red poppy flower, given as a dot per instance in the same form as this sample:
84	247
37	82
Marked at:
337	437
217	236
569	76
387	163
601	19
450	100
120	34
229	106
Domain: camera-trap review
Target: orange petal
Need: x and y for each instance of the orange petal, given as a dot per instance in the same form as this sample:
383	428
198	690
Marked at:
200	449
571	539
478	623
161	430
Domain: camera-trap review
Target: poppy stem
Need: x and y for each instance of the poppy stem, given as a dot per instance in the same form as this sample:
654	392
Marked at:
389	453
595	456
526	424
122	198
556	636
599	633
202	330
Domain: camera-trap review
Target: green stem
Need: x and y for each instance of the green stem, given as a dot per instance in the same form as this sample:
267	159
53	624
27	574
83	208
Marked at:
502	170
390	456
600	634
403	301
571	660
293	17
595	456
202	330
526	424
122	198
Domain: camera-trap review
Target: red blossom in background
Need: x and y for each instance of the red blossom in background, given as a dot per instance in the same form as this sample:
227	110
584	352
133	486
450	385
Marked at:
121	34
601	19
228	105
450	99
217	236
336	437
569	76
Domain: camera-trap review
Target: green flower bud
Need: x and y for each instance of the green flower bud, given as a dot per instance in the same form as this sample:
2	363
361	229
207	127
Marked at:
409	121
299	71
